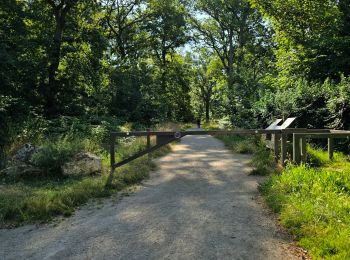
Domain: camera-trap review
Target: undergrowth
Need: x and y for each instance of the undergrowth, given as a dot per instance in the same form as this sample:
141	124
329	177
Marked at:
262	159
314	203
39	198
34	200
312	200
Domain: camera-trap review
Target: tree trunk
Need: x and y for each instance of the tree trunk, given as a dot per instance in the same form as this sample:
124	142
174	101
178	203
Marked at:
230	62
60	11
230	81
207	111
54	57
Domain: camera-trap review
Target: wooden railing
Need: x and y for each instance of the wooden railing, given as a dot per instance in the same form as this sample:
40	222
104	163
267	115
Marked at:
278	141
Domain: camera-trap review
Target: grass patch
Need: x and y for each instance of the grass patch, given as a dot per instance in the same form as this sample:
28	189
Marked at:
40	198
262	158
317	157
186	126
313	200
314	203
210	126
240	144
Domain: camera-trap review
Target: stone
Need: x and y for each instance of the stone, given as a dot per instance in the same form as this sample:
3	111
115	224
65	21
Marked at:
21	170
83	164
25	152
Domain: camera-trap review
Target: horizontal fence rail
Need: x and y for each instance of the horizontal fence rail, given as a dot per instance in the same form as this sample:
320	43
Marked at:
221	132
278	141
299	143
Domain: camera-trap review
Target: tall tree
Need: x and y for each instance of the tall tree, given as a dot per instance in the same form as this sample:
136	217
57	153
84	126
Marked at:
167	31
312	37
233	30
59	10
125	19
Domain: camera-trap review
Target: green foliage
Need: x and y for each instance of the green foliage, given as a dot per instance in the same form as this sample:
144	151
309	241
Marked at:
316	105
240	144
262	158
338	103
52	155
210	125
314	204
311	36
241	41
186	126
42	198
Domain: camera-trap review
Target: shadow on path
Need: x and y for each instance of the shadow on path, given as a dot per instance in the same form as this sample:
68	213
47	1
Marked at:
199	204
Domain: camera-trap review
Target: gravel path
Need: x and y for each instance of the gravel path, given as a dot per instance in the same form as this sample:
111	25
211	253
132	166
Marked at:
199	204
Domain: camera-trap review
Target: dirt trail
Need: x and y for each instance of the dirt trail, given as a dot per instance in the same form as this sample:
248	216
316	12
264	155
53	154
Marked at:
199	204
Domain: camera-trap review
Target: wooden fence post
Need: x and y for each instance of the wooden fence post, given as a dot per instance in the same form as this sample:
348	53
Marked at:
149	142
112	161
296	148
276	145
330	148
303	149
283	149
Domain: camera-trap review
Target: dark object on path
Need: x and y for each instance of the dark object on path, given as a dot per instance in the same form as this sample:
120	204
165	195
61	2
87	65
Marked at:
198	123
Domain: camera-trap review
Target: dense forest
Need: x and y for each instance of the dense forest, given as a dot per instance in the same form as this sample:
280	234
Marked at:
150	61
72	71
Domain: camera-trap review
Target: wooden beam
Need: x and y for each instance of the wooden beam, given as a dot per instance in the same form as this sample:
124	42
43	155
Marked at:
337	135
149	142
275	139
296	148
139	154
330	148
303	149
112	161
227	132
184	133
283	149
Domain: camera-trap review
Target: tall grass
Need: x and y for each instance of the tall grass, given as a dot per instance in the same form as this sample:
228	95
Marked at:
240	144
313	200
31	200
314	203
262	158
40	198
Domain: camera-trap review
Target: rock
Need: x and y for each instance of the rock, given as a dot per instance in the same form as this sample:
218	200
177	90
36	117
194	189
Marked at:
26	152
21	170
83	164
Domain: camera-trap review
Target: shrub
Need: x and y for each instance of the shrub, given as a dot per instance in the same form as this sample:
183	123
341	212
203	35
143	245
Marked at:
210	126
186	126
246	146
51	156
263	160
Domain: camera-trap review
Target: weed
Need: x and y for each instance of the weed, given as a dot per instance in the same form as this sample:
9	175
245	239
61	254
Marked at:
210	126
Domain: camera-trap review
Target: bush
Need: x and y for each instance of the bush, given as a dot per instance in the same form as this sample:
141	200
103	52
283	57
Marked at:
210	126
240	144
247	146
317	105
263	160
51	156
186	126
